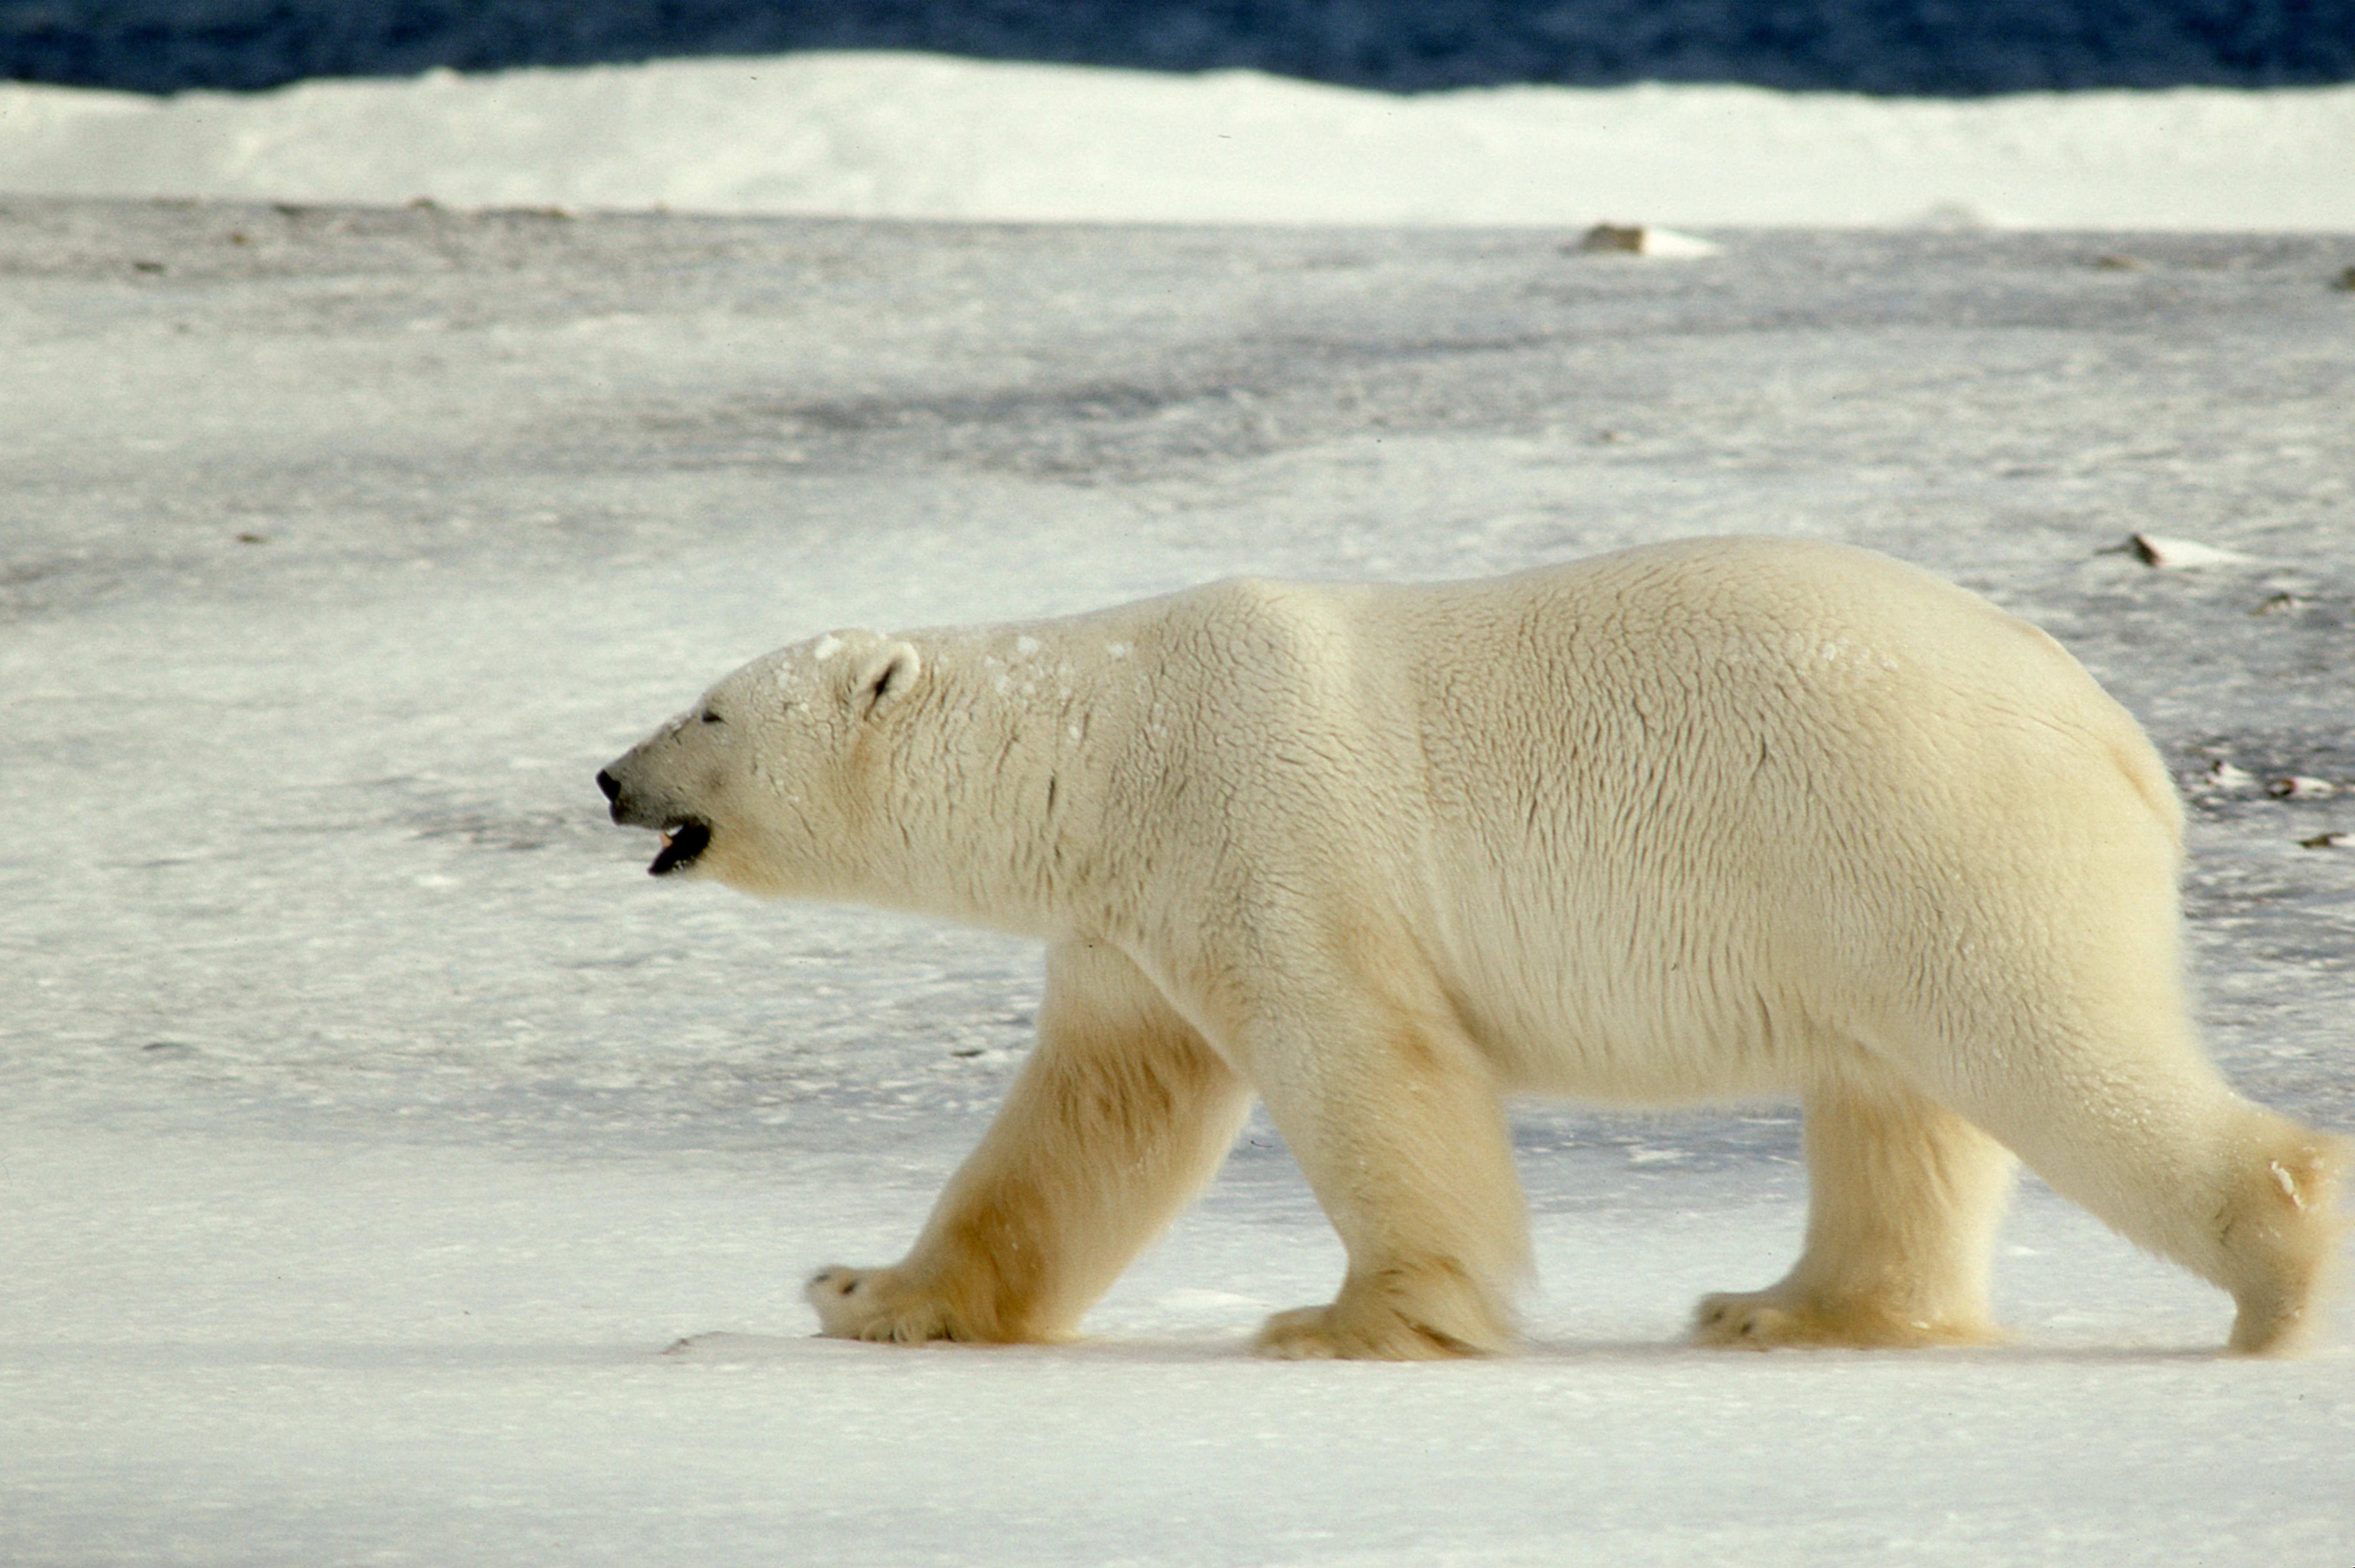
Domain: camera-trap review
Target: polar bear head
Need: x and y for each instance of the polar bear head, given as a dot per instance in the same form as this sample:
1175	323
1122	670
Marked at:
773	780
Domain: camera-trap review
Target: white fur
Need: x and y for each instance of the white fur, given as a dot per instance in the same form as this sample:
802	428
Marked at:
1720	819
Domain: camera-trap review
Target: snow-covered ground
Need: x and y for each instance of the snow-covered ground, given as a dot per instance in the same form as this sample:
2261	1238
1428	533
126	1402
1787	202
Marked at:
919	136
371	1125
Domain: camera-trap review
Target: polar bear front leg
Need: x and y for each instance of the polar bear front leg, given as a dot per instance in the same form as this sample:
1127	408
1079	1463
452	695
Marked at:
1114	1125
1903	1200
1396	1120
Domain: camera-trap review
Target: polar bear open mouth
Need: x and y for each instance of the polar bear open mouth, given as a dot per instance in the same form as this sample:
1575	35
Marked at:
681	843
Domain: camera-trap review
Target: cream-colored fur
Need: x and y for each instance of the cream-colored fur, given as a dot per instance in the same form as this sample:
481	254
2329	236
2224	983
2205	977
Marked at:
1707	820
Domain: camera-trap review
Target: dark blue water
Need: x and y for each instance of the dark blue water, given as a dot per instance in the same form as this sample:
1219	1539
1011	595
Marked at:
1944	48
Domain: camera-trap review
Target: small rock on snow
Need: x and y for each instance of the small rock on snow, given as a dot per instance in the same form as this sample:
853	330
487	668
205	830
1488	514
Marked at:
2169	555
1644	240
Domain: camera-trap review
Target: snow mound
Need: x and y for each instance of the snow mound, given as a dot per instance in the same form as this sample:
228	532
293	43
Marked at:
915	136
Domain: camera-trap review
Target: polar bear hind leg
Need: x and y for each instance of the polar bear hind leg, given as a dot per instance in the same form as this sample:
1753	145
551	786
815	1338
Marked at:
1904	1203
1117	1121
2113	1102
2240	1196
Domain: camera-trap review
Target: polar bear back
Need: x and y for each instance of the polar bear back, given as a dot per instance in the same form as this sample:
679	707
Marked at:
1666	820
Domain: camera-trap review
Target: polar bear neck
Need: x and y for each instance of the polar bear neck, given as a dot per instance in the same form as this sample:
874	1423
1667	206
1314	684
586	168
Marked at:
996	775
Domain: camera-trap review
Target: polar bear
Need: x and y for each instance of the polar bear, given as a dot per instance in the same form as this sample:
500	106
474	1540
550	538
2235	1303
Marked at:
1697	821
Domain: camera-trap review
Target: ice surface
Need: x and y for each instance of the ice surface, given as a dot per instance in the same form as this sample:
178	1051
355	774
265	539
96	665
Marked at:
371	1125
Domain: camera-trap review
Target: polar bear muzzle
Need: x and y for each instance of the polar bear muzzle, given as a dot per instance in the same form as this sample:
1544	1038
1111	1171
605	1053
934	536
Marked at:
684	839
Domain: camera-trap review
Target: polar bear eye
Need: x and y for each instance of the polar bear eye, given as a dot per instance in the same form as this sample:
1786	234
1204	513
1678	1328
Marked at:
708	716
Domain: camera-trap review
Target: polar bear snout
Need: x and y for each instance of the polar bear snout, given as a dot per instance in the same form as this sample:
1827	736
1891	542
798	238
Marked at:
685	836
628	807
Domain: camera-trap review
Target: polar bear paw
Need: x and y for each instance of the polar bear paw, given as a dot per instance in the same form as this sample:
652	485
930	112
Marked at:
1322	1334
1318	1334
1765	1320
877	1304
1433	1314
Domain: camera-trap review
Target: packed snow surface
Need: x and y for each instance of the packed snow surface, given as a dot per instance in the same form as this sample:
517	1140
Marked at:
922	136
372	1128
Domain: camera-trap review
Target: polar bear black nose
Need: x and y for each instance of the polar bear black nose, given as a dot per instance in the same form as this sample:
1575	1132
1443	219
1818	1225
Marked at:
609	783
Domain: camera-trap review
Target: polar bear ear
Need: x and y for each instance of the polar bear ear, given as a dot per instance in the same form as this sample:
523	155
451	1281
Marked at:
885	675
